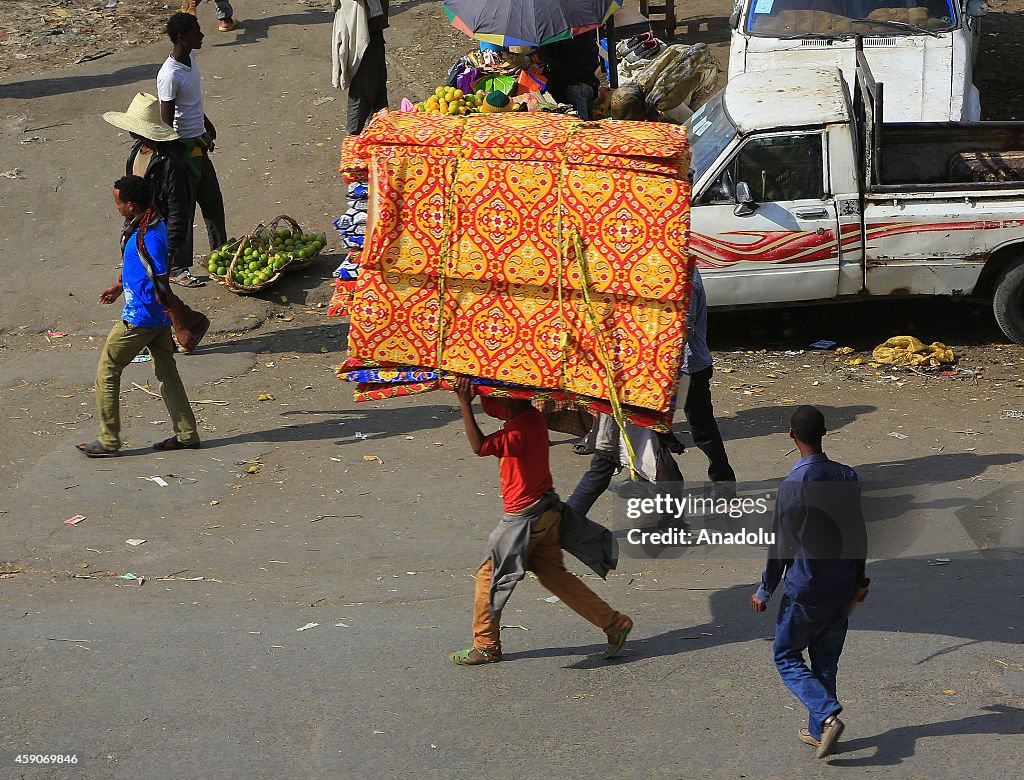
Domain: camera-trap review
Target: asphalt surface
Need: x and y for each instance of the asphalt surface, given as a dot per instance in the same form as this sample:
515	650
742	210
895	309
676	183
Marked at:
198	667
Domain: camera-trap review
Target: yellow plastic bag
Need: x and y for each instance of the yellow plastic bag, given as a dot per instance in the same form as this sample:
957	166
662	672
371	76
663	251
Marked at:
909	351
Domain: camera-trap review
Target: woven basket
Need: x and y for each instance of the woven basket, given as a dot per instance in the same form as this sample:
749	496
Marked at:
259	238
296	263
215	276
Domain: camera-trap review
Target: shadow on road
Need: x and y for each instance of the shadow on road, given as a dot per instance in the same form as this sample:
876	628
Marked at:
768	420
904	595
896	744
309	338
862	325
252	30
61	85
341	425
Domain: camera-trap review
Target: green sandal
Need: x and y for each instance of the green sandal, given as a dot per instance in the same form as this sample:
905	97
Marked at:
474	656
616	641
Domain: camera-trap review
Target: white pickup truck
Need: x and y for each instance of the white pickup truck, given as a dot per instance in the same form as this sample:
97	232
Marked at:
924	49
801	193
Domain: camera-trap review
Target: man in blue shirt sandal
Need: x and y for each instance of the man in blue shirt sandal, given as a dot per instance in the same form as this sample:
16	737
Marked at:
820	545
144	323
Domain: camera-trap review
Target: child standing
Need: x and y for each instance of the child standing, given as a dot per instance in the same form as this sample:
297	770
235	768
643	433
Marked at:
529	535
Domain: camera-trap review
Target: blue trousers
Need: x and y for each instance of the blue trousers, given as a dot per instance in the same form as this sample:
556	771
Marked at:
821	631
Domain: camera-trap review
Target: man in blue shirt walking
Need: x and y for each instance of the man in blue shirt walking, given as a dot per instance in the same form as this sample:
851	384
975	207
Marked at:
820	545
144	323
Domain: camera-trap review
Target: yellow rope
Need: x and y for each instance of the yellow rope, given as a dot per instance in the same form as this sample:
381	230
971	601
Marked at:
446	231
613	394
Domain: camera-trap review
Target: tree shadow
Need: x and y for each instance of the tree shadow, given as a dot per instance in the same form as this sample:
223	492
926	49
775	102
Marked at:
253	30
308	338
374	424
768	420
61	85
895	745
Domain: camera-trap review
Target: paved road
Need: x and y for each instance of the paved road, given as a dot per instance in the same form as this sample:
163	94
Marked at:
201	671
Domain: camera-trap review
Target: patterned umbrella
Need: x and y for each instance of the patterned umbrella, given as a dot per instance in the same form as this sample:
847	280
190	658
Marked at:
527	22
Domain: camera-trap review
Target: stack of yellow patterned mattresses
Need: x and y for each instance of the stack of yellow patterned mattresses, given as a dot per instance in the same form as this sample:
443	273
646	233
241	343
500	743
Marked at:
544	256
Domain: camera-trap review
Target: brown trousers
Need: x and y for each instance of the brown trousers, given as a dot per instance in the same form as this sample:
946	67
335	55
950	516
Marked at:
546	562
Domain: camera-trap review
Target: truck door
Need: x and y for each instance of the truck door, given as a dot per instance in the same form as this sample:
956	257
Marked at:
785	248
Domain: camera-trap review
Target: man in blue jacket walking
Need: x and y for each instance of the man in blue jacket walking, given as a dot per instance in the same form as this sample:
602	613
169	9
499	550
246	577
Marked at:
819	547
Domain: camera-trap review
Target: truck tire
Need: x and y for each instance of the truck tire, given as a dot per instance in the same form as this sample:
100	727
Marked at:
1008	300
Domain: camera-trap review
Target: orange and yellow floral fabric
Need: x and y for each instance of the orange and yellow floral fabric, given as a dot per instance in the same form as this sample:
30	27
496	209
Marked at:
471	261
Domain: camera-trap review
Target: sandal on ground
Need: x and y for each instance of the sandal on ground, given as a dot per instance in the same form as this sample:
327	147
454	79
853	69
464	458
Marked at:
830	731
474	657
805	736
616	640
582	449
174	443
186	279
96	450
227	25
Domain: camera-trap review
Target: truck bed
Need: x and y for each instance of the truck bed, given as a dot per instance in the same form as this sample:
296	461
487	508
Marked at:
940	155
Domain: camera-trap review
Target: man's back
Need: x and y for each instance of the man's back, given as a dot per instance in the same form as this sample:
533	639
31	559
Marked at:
819	515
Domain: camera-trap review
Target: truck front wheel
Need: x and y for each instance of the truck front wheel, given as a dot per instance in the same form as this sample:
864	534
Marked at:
1008	300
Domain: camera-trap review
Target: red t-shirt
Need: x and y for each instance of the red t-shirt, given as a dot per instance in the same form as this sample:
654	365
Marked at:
522	444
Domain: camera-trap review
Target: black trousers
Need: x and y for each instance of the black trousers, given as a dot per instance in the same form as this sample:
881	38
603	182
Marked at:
208	197
368	92
669	481
700	416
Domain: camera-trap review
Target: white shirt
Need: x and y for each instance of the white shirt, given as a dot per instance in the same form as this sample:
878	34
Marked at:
181	84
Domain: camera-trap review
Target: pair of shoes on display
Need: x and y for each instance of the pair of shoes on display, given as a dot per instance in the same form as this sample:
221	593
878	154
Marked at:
646	50
622	48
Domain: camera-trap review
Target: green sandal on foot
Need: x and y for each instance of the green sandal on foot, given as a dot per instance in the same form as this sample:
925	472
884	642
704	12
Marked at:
474	657
615	642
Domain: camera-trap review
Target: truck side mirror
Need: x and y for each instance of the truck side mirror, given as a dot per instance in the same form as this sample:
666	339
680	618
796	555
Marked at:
745	203
734	17
976	8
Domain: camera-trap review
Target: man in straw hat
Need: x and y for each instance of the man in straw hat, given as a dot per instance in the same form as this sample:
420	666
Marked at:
181	106
158	157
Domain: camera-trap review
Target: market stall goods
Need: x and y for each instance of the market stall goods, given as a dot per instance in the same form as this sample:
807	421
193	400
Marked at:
676	80
527	249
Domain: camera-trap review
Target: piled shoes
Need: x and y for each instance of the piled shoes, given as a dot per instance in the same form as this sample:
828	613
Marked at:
351	225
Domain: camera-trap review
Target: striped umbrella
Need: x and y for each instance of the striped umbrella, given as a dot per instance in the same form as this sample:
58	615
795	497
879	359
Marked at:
527	22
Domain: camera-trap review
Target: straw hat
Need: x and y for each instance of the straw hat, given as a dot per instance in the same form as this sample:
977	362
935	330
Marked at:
142	118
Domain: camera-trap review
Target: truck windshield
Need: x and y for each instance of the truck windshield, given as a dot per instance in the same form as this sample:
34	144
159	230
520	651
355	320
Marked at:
709	131
798	18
